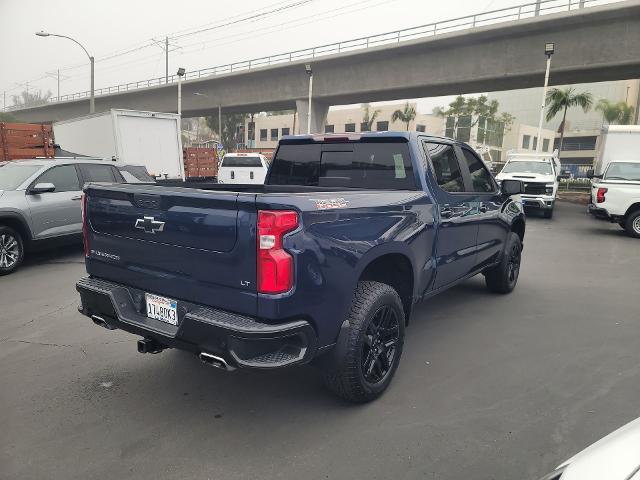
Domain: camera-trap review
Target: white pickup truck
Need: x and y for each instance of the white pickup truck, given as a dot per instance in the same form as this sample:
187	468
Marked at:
540	173
615	195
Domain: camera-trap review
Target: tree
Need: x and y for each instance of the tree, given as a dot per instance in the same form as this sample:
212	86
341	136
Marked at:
613	113
31	99
369	116
474	109
406	115
230	133
561	100
7	117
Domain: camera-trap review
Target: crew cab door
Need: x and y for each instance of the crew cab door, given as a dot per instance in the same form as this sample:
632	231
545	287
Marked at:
492	230
458	212
56	213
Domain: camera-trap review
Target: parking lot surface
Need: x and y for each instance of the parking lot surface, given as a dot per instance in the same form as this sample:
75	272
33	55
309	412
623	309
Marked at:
489	386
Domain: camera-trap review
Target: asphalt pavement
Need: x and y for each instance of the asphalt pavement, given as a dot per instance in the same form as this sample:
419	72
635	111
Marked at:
489	386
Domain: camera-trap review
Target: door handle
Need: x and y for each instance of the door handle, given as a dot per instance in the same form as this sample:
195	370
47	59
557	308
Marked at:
446	213
79	197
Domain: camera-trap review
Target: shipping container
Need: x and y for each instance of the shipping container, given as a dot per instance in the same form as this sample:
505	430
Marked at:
25	140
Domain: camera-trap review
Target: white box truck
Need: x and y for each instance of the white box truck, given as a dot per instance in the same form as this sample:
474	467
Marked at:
617	142
152	139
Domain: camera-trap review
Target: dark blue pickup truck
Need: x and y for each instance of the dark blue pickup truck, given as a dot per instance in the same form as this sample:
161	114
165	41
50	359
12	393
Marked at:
323	263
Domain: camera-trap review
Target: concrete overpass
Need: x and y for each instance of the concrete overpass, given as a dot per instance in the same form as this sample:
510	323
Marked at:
593	44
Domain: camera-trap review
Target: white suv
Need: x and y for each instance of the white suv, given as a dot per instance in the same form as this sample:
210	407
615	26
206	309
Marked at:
540	174
615	195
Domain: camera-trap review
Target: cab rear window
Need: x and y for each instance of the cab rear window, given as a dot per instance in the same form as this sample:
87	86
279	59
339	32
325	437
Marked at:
371	165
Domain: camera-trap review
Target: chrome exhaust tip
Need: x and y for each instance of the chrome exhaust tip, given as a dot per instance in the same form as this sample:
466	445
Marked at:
215	361
101	322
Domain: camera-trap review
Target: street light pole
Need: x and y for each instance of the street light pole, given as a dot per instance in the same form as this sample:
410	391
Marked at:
181	72
549	48
92	102
310	73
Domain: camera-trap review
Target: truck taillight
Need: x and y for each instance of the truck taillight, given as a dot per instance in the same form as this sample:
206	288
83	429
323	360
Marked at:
85	226
600	195
275	265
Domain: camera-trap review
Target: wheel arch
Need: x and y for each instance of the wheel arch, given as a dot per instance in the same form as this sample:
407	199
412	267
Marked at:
632	208
19	224
518	227
395	269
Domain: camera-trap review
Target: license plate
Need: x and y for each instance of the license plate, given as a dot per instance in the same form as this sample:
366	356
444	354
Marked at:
163	309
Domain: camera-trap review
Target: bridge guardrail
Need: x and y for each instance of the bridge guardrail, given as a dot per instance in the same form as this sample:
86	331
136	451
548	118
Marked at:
518	12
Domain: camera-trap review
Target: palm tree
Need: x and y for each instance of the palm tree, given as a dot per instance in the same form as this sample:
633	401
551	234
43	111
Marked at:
406	116
369	116
612	113
563	99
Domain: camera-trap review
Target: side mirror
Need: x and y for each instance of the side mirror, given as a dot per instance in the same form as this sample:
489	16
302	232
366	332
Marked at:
511	187
42	188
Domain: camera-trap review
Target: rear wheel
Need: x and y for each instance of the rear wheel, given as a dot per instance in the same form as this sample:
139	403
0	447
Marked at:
503	277
367	357
11	250
632	224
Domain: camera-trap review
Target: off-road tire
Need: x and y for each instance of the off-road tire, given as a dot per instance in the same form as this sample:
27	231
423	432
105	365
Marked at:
345	374
503	277
548	213
11	250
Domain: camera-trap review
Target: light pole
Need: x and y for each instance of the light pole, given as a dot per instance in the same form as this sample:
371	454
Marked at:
181	72
307	68
92	101
549	49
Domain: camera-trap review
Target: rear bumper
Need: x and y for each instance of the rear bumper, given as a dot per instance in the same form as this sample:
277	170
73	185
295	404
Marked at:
603	213
240	340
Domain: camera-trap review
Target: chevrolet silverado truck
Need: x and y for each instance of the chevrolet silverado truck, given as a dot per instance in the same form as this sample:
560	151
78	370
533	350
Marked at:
323	263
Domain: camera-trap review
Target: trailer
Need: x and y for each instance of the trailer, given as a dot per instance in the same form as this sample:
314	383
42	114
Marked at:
144	138
20	141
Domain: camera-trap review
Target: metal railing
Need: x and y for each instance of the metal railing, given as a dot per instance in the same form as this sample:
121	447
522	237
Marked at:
518	12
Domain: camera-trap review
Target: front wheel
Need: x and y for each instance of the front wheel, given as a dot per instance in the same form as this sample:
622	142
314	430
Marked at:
548	213
11	250
632	224
503	277
368	354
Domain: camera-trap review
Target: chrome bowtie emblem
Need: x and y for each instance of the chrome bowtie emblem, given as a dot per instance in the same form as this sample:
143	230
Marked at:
149	225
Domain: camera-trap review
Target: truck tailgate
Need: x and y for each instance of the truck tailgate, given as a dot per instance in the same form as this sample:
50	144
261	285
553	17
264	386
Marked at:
182	243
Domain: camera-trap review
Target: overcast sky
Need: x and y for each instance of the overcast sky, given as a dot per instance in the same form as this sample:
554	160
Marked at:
109	28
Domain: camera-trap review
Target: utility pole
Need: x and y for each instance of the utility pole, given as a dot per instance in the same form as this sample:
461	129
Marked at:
309	71
220	123
166	60
58	93
549	49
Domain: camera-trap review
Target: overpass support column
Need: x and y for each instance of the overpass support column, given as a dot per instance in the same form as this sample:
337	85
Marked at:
318	116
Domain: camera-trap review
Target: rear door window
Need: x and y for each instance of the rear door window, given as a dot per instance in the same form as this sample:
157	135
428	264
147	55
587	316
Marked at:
64	178
98	173
378	166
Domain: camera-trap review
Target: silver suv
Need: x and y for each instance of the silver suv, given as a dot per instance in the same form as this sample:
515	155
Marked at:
40	202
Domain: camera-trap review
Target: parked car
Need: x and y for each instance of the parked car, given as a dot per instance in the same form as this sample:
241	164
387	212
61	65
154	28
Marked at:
541	174
615	195
614	457
40	202
243	168
323	263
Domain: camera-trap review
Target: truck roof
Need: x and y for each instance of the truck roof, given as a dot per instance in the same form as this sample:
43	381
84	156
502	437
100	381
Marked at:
360	136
